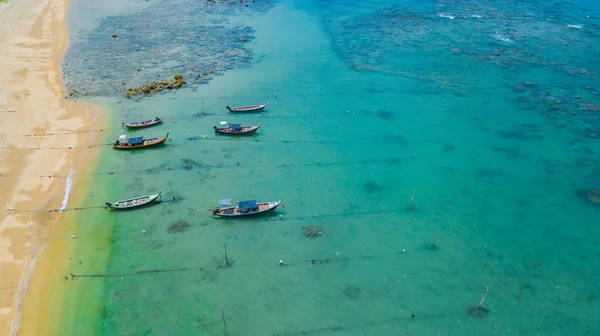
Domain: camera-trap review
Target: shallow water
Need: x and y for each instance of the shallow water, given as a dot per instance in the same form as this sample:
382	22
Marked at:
489	116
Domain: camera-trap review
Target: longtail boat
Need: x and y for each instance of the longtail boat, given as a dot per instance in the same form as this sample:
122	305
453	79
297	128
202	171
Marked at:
249	108
133	202
245	208
235	129
142	124
138	142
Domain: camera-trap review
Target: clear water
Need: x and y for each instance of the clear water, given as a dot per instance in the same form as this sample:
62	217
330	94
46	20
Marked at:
490	116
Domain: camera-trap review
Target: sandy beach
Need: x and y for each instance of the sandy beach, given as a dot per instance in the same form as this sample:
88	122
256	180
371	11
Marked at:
33	37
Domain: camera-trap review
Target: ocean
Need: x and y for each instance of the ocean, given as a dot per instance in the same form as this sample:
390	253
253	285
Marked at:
440	153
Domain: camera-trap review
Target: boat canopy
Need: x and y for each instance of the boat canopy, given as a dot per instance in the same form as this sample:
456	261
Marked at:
225	202
235	127
136	141
247	205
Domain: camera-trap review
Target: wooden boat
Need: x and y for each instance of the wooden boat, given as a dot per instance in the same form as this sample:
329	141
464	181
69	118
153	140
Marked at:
245	208
235	129
249	108
138	142
142	124
133	202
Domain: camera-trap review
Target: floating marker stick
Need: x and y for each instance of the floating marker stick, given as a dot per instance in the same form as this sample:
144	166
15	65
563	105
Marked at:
483	297
226	258
480	311
412	199
223	318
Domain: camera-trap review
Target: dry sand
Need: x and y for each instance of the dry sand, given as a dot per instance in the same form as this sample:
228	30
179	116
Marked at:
33	37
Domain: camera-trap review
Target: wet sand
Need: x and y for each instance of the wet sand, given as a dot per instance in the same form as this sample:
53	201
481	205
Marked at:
33	36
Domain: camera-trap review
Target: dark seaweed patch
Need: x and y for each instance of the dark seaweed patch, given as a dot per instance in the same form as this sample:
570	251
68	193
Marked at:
384	114
448	148
178	227
153	44
592	196
188	164
396	139
372	187
352	292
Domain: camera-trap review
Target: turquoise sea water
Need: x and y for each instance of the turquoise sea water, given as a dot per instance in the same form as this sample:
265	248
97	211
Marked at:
487	110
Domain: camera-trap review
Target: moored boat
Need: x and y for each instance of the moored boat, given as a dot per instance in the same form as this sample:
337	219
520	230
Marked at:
235	129
249	108
142	124
133	202
245	208
138	142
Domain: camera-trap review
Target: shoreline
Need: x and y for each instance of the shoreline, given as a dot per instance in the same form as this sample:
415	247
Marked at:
50	297
34	38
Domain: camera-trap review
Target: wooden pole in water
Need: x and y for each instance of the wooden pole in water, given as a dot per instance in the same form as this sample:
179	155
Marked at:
433	244
223	318
412	199
483	297
226	258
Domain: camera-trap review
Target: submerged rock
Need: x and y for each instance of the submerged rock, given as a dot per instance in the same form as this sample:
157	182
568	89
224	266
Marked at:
154	87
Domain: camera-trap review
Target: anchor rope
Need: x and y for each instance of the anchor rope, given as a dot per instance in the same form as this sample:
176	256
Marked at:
391	160
50	148
60	133
204	138
12	211
365	323
293	219
5	288
331	258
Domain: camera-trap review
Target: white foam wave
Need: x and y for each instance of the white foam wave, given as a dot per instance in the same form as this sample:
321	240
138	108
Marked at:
477	16
502	38
68	188
445	15
575	26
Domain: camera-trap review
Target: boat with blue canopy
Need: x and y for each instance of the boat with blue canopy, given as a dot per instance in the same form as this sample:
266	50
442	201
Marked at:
138	142
235	129
245	208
